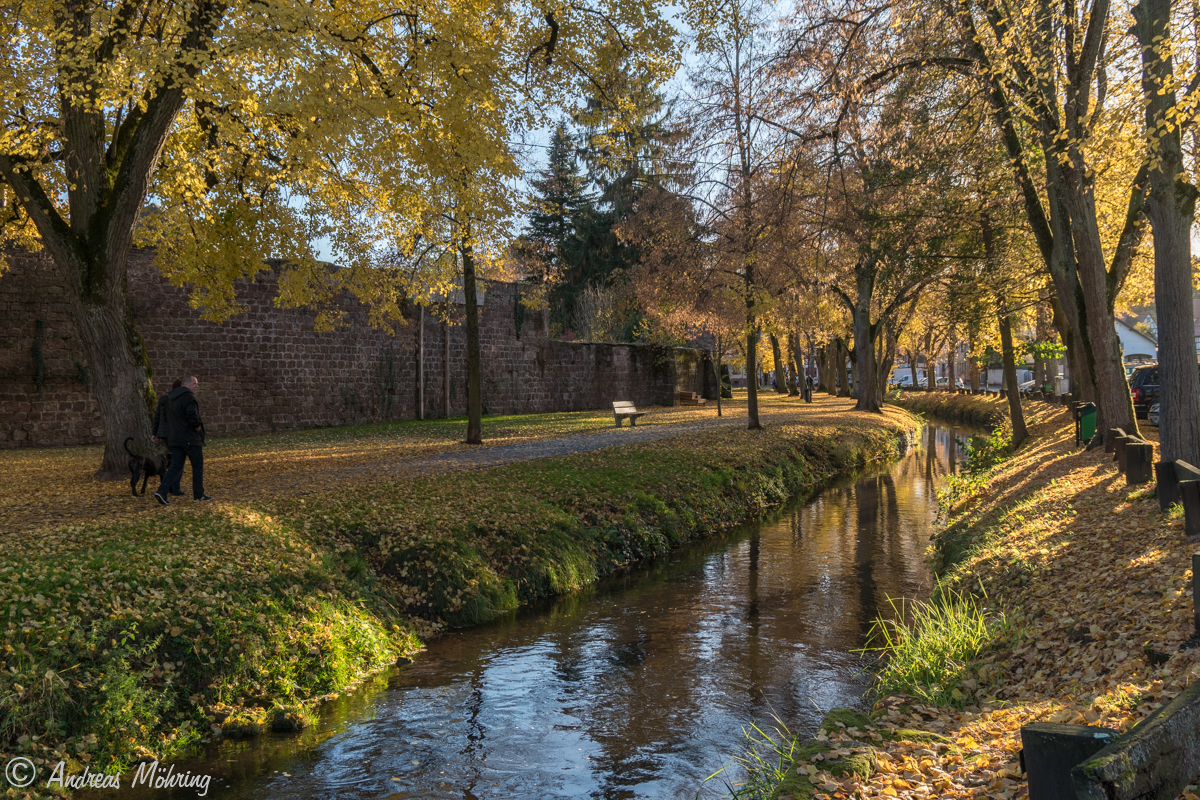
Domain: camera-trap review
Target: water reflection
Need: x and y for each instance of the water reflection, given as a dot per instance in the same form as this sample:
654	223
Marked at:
638	688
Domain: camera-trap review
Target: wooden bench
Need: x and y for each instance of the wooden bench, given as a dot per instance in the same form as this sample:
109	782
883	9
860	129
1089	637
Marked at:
623	409
690	399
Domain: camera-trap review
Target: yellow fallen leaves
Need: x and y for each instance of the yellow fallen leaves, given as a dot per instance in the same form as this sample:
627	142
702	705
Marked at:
1096	581
51	487
152	633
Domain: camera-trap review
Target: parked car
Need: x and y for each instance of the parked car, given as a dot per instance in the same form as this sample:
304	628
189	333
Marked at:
904	380
944	382
1152	415
1025	387
1143	388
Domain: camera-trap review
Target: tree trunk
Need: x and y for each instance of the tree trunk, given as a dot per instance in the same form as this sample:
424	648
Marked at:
843	376
973	366
91	248
1171	208
718	354
752	422
474	396
1115	406
421	367
798	387
831	373
952	367
912	369
780	370
1019	434
119	378
864	343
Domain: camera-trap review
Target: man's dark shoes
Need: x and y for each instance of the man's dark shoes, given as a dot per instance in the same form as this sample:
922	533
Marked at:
162	499
204	499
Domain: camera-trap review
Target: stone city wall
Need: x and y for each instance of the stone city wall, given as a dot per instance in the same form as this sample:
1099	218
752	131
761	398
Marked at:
267	368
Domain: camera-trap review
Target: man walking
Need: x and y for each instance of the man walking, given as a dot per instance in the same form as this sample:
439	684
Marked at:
185	436
162	433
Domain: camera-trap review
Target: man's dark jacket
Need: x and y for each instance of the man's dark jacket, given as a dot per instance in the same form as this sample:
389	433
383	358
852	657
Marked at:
183	416
162	427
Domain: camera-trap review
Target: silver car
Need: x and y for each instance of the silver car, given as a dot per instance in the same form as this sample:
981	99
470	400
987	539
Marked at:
1152	415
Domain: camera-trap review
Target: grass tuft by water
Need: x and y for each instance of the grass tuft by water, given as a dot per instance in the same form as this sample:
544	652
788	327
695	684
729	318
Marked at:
768	759
929	647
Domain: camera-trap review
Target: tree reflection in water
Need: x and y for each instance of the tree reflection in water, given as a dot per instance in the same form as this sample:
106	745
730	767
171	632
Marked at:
638	688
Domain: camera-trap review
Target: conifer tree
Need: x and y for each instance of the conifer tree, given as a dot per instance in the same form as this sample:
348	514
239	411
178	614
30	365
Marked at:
558	199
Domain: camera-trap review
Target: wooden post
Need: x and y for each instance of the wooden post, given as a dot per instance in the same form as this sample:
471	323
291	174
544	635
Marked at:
421	367
1196	595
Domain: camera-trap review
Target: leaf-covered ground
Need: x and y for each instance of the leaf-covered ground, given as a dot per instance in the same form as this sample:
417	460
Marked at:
1096	585
144	632
50	487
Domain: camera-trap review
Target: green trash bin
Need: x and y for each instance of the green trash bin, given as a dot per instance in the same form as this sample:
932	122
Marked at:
1085	423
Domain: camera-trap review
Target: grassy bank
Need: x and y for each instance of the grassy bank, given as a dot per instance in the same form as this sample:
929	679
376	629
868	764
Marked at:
143	638
979	411
1065	598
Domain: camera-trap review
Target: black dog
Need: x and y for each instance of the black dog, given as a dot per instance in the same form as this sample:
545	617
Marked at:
144	467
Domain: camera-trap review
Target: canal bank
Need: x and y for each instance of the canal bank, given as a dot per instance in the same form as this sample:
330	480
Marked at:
243	617
1083	586
637	685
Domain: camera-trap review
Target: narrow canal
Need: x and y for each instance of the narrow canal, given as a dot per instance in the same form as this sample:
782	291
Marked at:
638	688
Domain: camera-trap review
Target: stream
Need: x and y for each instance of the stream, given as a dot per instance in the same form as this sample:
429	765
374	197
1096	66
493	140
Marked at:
636	688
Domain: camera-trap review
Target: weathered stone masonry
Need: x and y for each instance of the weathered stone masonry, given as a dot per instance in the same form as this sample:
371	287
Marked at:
268	369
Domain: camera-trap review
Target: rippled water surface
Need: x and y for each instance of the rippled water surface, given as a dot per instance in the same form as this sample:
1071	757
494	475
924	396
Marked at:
636	689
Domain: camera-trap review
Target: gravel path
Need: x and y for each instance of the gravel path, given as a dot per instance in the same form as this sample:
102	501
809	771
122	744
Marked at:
484	457
500	455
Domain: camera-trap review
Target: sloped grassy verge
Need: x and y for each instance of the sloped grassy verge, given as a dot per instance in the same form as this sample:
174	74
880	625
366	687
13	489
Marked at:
142	640
980	411
930	652
459	550
136	640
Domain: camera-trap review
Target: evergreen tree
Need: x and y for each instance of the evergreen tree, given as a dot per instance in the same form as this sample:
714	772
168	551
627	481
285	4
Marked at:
624	155
558	199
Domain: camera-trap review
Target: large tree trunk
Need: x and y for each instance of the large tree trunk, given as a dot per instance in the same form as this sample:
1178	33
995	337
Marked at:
842	373
474	396
829	367
1171	208
119	376
864	343
912	369
952	370
107	184
884	365
1112	391
780	369
795	364
91	251
718	355
752	422
1019	433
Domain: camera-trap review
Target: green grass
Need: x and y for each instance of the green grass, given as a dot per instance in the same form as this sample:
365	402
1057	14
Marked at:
977	410
767	765
128	641
774	763
930	647
460	551
137	639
